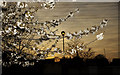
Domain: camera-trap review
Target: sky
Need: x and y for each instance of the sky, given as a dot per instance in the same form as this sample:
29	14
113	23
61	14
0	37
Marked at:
90	14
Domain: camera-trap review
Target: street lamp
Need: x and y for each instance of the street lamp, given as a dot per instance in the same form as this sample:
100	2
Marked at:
63	34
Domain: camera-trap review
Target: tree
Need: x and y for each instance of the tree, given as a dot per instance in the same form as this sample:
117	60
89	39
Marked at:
19	28
77	48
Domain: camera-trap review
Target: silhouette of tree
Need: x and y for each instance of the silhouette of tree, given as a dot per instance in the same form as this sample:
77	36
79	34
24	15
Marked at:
77	48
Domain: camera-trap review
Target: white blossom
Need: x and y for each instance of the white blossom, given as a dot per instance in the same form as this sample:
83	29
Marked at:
1	14
77	46
0	32
19	23
69	35
77	10
3	4
73	51
71	14
80	48
14	44
80	32
105	21
15	31
18	57
86	31
19	63
10	14
99	36
21	5
52	33
93	28
38	33
49	4
9	30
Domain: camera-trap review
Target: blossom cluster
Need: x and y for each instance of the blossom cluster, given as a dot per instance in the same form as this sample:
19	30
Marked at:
87	31
48	4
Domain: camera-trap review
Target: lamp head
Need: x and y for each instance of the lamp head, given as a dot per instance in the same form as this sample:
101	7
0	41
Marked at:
63	33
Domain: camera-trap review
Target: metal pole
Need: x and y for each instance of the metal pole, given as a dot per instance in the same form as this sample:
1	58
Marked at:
63	43
63	34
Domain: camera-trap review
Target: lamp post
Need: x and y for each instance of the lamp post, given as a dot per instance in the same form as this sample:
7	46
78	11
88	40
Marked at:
63	34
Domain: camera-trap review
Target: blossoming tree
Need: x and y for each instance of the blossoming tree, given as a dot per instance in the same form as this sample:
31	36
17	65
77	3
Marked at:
19	28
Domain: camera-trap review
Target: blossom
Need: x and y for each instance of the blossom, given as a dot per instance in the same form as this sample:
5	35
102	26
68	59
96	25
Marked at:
11	14
71	14
49	4
48	36
80	32
8	30
52	33
0	32
99	36
1	14
17	57
19	23
69	35
14	44
15	31
38	33
21	5
29	15
3	4
22	26
79	47
77	10
86	31
103	23
73	51
27	63
19	63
